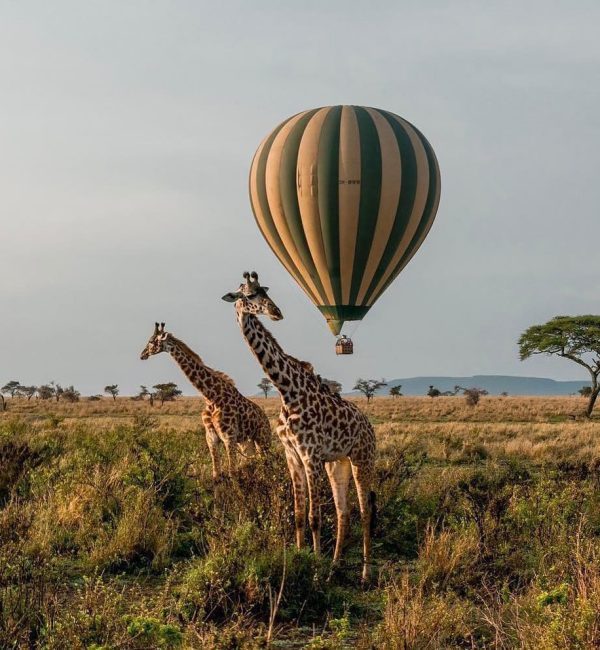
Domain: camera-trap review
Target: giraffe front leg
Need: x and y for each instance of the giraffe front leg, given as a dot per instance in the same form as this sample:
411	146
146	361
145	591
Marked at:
298	476
315	469
339	476
213	441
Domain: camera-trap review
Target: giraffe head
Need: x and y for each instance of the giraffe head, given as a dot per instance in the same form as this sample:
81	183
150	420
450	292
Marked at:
157	343
251	298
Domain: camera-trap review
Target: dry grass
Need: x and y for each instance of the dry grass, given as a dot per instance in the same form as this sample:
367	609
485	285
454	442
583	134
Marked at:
112	533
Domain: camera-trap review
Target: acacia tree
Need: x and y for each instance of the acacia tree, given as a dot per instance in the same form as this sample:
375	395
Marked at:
71	394
333	385
395	391
45	392
166	392
576	338
266	386
433	392
11	387
112	390
28	391
368	387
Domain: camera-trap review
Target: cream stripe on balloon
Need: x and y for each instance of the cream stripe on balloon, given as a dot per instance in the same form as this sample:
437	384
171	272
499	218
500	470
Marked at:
260	217
308	198
275	203
417	208
349	196
391	173
427	228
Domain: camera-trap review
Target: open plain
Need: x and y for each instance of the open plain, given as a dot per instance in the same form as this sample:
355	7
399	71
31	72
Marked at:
113	535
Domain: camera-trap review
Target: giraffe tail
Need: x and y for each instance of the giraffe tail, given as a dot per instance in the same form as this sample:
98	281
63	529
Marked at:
373	504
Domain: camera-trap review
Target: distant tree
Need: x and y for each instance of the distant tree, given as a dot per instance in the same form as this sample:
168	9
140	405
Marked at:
433	392
472	395
334	386
503	394
28	391
45	392
70	394
586	391
141	395
395	391
368	387
166	392
265	386
576	338
94	398
58	390
11	388
112	390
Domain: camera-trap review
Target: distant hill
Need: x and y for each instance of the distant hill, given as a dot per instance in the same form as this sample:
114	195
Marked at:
494	384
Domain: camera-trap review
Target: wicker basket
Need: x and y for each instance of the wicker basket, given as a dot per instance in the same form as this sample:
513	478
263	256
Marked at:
344	345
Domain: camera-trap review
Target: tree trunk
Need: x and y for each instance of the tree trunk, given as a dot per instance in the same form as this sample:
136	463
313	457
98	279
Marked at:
593	396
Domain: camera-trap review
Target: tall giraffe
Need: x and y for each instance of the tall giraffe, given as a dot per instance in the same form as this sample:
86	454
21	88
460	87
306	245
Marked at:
228	417
321	432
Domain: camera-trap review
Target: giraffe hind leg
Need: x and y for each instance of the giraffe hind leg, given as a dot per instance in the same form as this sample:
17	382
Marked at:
363	479
339	473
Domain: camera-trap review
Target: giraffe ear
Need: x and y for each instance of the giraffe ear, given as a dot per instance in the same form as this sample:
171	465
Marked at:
232	297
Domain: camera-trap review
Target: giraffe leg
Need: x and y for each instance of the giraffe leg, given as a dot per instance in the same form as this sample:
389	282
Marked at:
212	440
339	473
231	455
298	476
315	469
362	479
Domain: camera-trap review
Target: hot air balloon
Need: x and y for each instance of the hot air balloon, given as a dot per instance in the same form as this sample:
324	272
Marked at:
344	196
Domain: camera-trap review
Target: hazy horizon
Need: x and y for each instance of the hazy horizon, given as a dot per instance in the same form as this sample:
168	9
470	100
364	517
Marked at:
127	137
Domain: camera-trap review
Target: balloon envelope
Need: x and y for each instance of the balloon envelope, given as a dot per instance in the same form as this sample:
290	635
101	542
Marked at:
344	196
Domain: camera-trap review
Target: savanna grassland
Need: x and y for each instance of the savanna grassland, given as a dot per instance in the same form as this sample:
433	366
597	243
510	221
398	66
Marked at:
112	534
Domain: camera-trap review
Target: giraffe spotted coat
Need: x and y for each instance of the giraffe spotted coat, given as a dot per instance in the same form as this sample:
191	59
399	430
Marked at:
228	417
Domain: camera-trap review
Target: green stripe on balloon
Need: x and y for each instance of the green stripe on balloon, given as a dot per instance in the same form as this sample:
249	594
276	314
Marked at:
328	195
406	201
429	212
370	193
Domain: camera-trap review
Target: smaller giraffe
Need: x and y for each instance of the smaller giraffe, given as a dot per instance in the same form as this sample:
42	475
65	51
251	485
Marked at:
229	417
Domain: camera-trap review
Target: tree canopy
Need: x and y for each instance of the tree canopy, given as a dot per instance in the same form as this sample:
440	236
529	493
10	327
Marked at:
266	386
368	387
576	338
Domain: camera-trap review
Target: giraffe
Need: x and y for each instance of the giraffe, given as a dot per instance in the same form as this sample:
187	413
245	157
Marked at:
321	432
228	417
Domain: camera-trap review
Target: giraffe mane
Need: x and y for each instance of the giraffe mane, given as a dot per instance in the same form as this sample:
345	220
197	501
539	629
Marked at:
190	353
224	376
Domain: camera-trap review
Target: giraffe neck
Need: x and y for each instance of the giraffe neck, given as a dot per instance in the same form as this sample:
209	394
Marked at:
285	373
206	380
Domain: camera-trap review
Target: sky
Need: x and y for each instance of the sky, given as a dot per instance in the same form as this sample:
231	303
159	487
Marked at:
126	134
